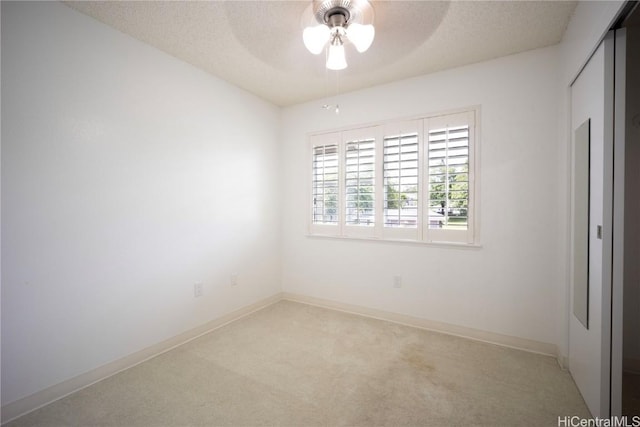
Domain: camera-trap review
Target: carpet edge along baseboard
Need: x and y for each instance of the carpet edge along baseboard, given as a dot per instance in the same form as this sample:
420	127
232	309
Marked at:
518	343
46	396
17	408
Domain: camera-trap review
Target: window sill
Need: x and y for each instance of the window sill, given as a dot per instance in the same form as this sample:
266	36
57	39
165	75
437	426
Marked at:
451	245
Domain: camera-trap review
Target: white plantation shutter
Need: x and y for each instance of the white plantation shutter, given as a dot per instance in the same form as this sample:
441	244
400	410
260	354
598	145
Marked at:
360	182
401	142
400	168
449	175
325	192
407	180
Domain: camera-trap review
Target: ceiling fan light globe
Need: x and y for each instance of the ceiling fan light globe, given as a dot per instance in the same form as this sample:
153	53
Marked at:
361	36
336	59
315	38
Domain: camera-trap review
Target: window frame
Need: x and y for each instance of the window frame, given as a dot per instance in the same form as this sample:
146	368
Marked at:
422	233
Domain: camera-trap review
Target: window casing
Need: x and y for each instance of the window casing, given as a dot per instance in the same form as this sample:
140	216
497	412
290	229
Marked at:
410	180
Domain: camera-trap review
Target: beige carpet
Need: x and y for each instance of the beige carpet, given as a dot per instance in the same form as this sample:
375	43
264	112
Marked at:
292	364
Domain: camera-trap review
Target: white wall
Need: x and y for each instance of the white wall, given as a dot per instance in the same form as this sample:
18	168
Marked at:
589	23
507	286
127	176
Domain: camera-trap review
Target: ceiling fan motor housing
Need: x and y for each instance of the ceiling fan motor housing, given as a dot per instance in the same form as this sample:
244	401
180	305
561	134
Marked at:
338	12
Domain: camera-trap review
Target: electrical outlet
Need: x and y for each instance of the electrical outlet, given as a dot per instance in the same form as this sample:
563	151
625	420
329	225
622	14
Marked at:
234	279
397	281
198	289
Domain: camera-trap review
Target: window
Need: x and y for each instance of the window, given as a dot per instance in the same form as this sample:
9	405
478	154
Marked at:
409	180
450	181
400	169
325	184
359	182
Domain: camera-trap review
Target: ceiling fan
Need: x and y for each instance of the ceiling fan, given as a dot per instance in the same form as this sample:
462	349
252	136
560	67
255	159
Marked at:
333	23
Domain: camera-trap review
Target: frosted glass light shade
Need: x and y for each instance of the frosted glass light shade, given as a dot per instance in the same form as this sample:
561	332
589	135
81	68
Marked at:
336	60
361	36
315	38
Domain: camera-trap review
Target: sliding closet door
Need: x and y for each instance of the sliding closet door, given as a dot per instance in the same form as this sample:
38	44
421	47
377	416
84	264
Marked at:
619	230
592	147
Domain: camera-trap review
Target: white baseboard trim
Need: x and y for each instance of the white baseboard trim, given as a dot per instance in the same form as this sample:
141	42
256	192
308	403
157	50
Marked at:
44	397
631	365
445	328
563	361
41	398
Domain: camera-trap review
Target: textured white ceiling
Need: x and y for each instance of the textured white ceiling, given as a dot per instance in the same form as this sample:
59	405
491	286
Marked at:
257	45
